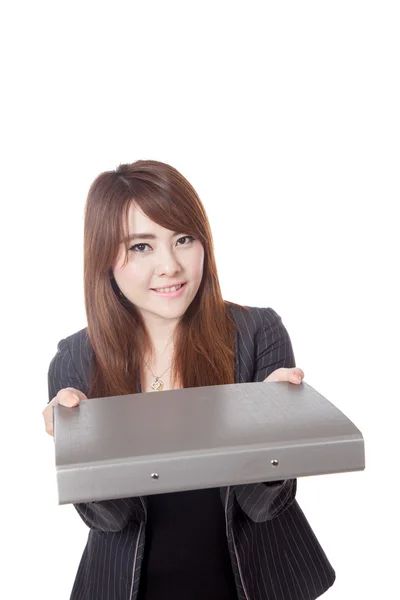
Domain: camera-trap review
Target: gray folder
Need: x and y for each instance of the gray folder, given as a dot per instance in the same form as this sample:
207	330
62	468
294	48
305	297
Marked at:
195	438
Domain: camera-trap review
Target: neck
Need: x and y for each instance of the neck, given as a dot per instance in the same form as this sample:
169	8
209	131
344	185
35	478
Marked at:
158	363
161	333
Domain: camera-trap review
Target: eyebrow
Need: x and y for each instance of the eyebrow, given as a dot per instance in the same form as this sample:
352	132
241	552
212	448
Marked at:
144	236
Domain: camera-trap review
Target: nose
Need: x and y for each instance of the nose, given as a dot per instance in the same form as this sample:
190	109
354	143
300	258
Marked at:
168	265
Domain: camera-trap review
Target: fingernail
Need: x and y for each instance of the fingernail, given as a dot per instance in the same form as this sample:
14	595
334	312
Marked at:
75	397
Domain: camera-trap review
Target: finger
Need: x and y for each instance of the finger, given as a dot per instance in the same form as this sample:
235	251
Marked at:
70	397
296	375
48	416
293	375
278	375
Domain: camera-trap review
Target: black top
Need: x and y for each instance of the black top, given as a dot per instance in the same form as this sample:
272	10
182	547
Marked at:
186	552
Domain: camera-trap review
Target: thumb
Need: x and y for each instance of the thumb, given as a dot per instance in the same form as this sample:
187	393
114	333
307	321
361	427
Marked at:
293	375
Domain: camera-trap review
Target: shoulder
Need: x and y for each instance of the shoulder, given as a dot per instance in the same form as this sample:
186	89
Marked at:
71	362
254	320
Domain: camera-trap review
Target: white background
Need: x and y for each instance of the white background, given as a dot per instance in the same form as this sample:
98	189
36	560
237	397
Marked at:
285	118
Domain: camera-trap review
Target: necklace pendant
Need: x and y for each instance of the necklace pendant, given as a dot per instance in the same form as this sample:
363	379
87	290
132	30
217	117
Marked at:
157	385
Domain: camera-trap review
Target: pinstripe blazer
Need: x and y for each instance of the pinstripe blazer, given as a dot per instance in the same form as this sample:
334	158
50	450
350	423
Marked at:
274	552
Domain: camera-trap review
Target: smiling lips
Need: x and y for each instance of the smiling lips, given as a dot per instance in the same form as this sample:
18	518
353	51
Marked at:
169	292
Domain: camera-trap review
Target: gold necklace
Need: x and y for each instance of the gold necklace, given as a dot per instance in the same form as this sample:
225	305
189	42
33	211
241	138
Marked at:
157	384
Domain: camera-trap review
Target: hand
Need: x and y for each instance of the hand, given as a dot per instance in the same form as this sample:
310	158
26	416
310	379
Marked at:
293	375
69	397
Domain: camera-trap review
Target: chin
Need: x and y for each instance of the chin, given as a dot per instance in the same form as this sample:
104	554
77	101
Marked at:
172	315
169	315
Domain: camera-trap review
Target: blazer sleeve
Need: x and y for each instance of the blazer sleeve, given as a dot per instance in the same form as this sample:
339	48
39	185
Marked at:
109	515
274	348
265	501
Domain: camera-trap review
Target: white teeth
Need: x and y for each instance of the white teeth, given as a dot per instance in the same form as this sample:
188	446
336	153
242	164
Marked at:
174	288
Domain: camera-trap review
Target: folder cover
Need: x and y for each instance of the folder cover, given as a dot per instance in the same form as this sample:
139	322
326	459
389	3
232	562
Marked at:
193	438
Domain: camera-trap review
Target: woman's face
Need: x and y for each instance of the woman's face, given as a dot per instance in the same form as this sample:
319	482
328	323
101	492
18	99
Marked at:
158	260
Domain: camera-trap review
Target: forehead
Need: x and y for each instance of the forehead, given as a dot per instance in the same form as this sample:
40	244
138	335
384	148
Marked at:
138	222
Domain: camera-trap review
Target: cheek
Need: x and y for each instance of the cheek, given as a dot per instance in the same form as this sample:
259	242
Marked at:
133	272
198	263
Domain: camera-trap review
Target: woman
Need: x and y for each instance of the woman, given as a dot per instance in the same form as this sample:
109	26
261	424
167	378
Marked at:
157	321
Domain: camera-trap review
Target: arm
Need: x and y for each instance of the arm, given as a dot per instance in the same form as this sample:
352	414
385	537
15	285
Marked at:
274	347
264	501
108	515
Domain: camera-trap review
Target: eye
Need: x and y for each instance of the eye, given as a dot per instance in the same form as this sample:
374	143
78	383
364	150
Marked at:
138	247
181	241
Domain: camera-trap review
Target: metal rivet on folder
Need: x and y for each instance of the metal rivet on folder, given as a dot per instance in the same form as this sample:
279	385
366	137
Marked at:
154	475
274	462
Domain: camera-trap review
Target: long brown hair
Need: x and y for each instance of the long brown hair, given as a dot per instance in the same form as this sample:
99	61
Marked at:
204	336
